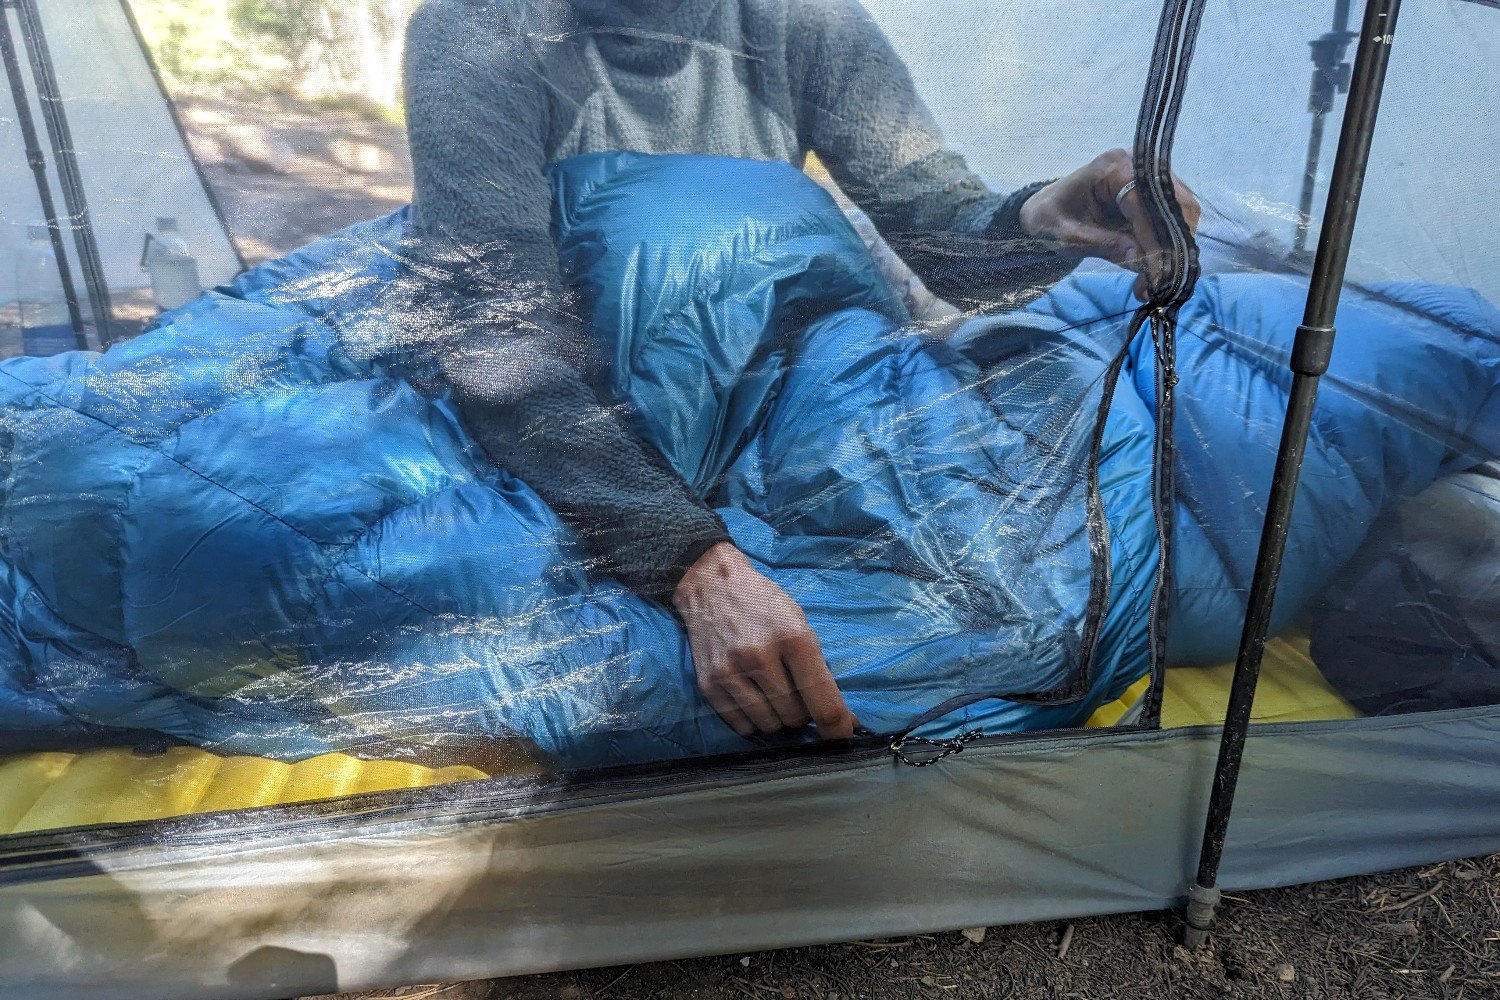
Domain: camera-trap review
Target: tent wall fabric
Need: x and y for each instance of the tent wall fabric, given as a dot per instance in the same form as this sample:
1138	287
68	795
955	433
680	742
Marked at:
501	880
134	160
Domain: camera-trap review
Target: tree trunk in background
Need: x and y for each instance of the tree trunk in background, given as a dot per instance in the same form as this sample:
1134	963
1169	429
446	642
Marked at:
316	48
397	13
364	46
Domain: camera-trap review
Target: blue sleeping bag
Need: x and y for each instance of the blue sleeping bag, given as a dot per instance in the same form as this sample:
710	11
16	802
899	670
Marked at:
246	530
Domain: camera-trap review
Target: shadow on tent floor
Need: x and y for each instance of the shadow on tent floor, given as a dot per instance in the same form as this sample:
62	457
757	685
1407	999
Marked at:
46	791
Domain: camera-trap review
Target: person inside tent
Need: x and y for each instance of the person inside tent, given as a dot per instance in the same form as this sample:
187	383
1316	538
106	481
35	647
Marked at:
496	90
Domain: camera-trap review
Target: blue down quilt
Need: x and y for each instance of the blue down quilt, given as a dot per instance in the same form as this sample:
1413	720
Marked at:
246	530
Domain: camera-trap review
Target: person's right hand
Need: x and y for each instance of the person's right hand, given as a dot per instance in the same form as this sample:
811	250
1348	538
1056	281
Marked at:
1097	210
758	662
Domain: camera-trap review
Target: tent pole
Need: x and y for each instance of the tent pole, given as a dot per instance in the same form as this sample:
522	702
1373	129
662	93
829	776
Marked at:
38	163
66	161
1330	77
1309	360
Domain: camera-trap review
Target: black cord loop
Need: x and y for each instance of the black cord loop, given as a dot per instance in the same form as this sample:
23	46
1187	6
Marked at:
929	752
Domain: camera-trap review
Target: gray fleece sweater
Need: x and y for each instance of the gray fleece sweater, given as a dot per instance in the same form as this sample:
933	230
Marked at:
498	89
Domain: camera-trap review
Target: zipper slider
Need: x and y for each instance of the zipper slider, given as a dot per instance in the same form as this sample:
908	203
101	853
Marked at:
918	751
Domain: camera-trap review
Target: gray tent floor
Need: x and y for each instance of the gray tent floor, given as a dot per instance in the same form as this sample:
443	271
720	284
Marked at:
1419	933
287	173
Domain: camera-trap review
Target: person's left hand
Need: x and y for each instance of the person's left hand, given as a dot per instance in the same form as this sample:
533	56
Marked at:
1085	213
758	661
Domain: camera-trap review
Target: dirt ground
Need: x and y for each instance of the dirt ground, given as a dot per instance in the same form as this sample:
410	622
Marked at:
287	173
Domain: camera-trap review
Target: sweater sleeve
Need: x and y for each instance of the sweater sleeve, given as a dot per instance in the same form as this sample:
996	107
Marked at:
490	316
859	110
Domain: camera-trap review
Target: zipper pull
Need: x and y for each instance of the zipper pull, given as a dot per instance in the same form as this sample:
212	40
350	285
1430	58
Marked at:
918	751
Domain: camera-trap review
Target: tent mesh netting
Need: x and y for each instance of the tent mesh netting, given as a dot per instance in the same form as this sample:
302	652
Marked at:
569	384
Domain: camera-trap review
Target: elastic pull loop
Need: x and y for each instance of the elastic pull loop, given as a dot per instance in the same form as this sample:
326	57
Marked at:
918	751
1163	325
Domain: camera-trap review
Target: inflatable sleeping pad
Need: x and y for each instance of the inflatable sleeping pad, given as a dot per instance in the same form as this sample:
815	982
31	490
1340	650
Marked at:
245	530
57	790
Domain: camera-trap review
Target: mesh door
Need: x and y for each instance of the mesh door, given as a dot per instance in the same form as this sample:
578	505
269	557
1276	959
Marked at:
712	395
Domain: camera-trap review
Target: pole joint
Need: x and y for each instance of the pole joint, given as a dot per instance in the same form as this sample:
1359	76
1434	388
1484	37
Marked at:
1312	349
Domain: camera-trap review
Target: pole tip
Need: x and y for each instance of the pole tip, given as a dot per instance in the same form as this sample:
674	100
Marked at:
1202	904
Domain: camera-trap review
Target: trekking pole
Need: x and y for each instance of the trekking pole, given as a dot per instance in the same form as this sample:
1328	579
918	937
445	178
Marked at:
1330	77
1310	353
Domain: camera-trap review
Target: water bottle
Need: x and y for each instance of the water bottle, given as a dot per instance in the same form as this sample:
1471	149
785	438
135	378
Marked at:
46	328
10	330
173	269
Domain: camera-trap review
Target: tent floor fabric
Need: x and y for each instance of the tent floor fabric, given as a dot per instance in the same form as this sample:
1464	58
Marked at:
55	790
1333	936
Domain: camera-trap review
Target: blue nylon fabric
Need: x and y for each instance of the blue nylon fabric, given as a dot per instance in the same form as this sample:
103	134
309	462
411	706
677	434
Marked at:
247	531
1412	395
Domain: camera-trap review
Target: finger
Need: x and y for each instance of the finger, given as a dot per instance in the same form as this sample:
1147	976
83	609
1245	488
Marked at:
1113	172
1109	174
720	701
752	703
717	698
1152	256
783	697
1150	262
1133	206
1192	210
825	703
1098	241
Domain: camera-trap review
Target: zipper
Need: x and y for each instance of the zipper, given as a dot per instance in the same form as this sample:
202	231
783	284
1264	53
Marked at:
1156	127
1163	494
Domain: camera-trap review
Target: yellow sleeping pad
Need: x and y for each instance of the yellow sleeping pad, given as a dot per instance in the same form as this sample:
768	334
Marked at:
1291	689
49	791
